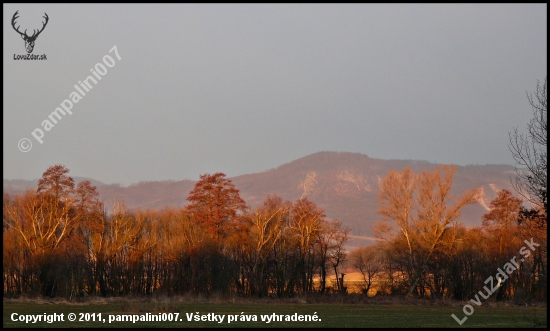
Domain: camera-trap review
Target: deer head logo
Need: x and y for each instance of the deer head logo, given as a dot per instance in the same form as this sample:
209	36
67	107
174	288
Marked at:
29	40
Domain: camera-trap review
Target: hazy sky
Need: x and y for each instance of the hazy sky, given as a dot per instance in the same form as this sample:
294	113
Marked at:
246	88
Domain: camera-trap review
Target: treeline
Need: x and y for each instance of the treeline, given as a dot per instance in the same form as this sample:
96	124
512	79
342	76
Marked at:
59	241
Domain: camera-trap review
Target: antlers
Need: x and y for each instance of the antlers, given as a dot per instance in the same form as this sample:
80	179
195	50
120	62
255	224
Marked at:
43	25
24	34
13	24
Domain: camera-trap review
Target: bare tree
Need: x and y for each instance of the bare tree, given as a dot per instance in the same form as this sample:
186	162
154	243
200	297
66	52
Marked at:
529	152
369	261
337	254
423	208
266	227
305	225
330	250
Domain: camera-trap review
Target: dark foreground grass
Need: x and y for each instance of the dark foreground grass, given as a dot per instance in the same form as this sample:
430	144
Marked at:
329	315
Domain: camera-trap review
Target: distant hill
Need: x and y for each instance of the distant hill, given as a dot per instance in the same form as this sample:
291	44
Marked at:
19	186
345	185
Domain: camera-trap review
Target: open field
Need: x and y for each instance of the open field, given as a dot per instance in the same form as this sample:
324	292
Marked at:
329	315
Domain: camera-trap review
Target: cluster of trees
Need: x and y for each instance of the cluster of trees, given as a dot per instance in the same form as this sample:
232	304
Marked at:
58	241
426	253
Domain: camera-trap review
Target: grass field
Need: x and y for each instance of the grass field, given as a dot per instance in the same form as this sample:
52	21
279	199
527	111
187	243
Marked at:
329	315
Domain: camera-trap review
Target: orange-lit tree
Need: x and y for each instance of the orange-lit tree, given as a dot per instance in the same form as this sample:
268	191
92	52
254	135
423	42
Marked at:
424	209
502	234
215	204
217	207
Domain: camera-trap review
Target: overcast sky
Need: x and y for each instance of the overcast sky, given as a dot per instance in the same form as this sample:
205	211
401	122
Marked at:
246	88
